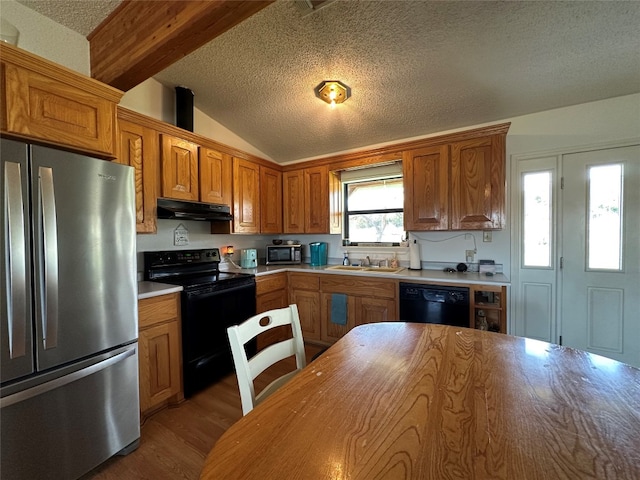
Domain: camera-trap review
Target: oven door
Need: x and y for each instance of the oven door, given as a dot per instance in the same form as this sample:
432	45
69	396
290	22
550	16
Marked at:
207	312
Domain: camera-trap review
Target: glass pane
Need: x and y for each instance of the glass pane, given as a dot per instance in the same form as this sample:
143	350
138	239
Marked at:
537	219
375	195
376	227
605	217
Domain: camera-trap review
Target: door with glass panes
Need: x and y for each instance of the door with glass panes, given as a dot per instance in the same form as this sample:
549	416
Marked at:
578	278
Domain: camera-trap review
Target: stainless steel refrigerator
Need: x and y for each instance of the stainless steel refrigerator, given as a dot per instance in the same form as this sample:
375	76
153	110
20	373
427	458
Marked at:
69	326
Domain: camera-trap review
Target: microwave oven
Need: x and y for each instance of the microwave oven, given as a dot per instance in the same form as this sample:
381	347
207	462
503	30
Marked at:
284	254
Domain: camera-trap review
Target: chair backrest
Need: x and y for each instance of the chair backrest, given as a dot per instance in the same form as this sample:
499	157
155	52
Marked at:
248	369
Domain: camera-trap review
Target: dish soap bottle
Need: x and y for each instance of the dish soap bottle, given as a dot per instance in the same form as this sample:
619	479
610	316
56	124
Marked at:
345	260
394	262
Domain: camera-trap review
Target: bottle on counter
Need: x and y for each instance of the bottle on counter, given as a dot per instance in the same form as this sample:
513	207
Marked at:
345	260
394	262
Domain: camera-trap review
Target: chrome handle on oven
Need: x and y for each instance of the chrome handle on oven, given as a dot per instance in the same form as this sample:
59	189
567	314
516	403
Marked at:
50	259
15	260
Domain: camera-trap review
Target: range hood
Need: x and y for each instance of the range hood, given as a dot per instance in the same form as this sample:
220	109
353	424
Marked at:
183	210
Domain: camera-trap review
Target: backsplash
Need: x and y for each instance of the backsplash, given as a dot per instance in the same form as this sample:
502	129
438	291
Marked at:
438	250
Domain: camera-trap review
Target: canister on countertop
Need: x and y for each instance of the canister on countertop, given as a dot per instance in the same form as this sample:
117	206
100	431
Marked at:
414	256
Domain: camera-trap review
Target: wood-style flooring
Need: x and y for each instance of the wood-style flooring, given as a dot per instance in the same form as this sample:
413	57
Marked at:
175	441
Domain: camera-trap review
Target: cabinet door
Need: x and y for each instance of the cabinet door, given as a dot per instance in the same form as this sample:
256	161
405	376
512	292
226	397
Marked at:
138	147
293	203
329	331
335	203
477	184
373	310
426	188
56	106
215	176
271	301
246	196
179	169
271	200
316	190
308	303
159	364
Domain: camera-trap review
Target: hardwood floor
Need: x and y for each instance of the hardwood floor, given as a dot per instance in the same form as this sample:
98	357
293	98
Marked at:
175	441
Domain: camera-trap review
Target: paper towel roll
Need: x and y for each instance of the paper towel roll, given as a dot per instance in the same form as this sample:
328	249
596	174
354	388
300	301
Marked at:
414	256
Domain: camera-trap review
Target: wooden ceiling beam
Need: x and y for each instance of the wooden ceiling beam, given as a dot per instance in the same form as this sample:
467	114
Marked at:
142	38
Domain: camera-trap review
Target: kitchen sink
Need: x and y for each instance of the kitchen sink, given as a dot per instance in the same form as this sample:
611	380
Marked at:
346	267
353	268
384	269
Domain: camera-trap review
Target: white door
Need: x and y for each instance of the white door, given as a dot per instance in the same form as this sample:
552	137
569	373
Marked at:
599	235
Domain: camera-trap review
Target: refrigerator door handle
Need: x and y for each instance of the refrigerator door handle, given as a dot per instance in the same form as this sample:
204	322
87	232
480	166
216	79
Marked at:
50	259
15	255
65	380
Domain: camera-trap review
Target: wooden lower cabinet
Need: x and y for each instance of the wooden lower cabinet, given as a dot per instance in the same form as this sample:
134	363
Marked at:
331	332
489	308
272	293
160	359
368	300
304	291
373	310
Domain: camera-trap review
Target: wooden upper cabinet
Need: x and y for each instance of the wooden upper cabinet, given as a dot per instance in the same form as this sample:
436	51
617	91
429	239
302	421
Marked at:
456	186
179	169
426	188
335	203
316	188
306	200
270	200
138	147
44	101
294	202
478	184
246	196
215	176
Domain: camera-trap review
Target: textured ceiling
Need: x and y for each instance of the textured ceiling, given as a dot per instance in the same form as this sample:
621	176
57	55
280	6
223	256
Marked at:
414	67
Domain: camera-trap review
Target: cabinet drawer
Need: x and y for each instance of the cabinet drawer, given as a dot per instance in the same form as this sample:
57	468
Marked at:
304	281
271	283
359	285
158	309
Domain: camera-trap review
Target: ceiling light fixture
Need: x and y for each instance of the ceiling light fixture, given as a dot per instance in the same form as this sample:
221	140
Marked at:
332	92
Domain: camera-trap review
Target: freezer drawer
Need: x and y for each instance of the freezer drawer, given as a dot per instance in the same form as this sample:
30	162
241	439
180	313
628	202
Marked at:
63	428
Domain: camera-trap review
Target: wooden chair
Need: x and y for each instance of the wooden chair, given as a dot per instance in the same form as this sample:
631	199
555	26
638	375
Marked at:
248	369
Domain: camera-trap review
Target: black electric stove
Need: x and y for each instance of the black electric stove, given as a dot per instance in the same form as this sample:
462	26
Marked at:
211	302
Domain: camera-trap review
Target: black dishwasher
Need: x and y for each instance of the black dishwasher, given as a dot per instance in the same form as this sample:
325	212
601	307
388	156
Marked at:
445	305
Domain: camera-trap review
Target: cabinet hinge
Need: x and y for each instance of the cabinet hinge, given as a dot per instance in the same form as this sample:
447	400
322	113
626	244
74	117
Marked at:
560	340
561	183
561	262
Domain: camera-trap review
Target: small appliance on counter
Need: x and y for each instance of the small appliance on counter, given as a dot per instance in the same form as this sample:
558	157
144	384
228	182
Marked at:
290	254
248	258
414	256
318	252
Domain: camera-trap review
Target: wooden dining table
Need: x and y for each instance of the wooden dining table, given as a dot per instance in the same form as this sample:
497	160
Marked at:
422	401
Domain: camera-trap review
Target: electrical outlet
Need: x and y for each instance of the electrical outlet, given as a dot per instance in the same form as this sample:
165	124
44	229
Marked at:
486	236
469	255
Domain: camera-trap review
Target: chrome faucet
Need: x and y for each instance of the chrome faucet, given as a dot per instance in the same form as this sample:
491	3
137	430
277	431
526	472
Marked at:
367	261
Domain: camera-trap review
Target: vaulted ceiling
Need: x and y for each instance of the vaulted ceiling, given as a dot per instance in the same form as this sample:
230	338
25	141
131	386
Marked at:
414	67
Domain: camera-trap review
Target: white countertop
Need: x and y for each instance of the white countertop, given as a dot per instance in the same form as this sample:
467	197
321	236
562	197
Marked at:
406	274
148	289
